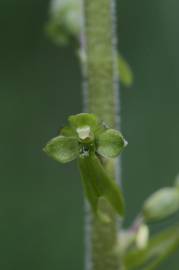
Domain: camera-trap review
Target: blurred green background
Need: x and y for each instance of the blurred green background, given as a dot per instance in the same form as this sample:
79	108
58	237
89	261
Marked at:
41	202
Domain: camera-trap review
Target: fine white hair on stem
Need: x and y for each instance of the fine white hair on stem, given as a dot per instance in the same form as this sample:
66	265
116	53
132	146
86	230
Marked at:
85	96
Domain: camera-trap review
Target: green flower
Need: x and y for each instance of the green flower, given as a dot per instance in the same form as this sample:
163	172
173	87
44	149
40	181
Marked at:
86	138
85	134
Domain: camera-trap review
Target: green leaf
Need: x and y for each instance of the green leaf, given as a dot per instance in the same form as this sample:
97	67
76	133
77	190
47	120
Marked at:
161	204
125	72
82	120
62	149
159	248
98	184
110	143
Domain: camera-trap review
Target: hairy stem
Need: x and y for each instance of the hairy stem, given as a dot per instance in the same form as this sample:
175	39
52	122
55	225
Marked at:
101	98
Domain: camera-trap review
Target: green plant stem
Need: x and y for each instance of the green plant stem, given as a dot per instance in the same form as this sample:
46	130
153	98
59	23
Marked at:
101	59
101	99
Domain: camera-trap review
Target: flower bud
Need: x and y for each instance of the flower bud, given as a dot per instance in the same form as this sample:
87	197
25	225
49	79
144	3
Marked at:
161	204
142	237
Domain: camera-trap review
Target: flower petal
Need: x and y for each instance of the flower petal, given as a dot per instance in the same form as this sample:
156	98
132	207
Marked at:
62	149
110	143
67	132
83	119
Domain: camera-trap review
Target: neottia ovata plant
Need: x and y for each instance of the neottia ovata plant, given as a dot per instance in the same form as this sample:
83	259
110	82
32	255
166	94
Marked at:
93	140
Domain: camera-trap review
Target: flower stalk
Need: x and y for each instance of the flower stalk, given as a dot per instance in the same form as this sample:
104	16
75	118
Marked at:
101	98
